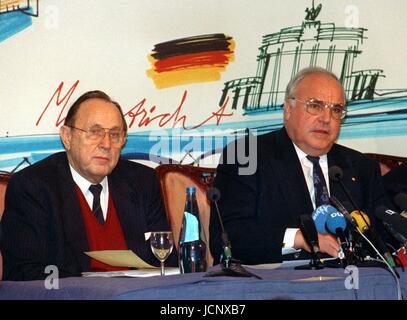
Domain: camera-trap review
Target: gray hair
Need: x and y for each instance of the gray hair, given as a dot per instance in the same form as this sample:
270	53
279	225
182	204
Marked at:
292	85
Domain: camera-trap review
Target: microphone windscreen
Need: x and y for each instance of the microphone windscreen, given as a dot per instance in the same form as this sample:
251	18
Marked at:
335	221
319	216
213	194
401	200
363	225
335	173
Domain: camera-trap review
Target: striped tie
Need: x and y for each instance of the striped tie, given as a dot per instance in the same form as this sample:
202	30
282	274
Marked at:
96	189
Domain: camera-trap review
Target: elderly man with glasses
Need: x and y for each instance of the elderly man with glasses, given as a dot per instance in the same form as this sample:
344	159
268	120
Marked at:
261	211
84	199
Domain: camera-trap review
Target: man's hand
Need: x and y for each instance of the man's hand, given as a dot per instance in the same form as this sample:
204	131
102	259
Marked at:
327	243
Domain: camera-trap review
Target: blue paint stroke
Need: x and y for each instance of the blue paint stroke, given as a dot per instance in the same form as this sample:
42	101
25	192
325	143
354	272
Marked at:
13	22
367	119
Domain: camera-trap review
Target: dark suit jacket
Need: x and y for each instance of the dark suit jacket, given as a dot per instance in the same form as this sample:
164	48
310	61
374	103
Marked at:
395	182
43	225
256	209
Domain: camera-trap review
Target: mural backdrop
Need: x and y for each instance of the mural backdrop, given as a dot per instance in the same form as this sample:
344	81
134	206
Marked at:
193	75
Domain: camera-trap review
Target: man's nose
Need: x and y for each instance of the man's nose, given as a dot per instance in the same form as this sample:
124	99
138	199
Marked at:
326	115
106	141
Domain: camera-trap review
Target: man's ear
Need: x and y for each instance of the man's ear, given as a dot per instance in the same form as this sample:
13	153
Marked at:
65	133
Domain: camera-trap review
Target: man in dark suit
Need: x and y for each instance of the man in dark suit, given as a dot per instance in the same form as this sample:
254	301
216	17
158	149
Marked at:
261	210
53	213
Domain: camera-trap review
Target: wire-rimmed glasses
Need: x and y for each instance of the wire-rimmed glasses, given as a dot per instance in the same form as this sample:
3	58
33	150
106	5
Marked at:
98	133
317	107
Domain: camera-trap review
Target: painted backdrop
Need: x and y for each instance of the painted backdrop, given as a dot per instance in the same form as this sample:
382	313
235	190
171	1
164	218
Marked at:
193	75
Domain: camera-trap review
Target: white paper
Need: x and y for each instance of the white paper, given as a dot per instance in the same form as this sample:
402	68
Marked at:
132	273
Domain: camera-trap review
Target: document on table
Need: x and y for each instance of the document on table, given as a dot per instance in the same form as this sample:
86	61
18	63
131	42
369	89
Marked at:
132	273
120	258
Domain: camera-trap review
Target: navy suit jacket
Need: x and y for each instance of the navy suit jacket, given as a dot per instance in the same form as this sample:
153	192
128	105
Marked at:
43	225
256	209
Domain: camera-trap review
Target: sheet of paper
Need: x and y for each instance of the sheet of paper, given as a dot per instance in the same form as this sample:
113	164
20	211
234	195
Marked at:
266	266
318	278
120	258
132	273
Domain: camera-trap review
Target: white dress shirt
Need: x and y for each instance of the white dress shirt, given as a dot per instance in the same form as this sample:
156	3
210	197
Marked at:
84	185
306	166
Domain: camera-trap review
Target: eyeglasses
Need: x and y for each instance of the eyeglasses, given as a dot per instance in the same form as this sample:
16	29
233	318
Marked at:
317	107
98	133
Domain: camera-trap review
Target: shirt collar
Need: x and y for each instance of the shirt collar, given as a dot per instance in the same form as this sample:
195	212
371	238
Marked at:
84	184
302	156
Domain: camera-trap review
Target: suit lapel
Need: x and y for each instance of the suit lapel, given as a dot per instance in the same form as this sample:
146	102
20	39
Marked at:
72	219
288	171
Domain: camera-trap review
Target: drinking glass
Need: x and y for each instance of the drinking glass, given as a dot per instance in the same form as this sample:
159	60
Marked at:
161	243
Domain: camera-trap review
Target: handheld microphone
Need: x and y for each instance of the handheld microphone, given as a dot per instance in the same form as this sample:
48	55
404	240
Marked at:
230	266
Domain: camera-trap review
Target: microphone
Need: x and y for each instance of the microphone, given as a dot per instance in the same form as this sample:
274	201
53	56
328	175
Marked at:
394	223
349	219
336	224
362	220
336	174
319	216
393	219
213	196
309	231
230	266
401	201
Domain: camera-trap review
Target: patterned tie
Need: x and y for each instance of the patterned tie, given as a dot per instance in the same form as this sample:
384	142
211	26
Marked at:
321	191
96	189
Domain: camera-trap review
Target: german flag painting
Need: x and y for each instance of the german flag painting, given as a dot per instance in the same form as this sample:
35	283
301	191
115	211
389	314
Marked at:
190	60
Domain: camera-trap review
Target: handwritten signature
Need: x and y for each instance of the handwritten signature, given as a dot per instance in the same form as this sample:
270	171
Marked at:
139	115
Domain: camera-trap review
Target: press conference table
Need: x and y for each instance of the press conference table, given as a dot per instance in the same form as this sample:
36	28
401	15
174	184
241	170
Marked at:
279	283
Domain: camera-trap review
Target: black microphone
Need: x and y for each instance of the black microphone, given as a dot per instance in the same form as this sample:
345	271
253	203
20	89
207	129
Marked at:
213	196
401	201
342	209
230	266
336	174
309	231
397	222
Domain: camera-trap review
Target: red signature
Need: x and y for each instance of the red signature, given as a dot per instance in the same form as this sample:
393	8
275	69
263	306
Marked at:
139	115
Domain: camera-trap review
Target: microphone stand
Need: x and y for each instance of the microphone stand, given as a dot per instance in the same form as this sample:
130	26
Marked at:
229	266
336	174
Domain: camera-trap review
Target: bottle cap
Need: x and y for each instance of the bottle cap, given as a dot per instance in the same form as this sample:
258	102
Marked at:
191	189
